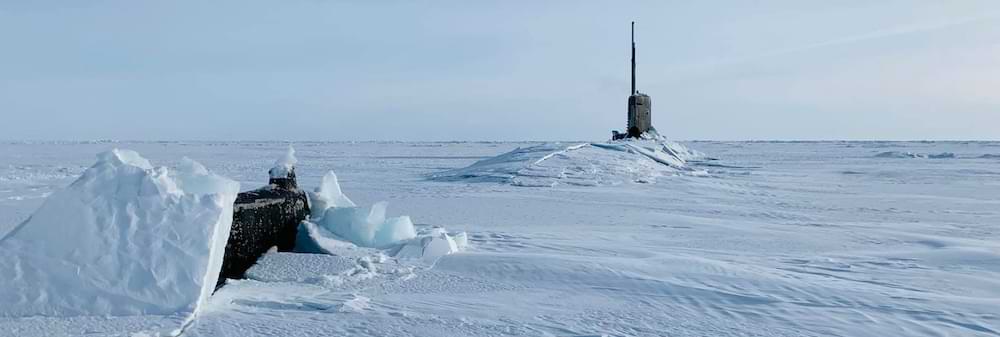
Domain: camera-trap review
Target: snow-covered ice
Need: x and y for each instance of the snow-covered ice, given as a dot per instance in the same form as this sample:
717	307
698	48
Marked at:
124	239
582	164
337	214
284	164
338	225
432	244
328	195
366	227
771	239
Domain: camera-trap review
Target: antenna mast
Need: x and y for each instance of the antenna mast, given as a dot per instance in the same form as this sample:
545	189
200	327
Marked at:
633	57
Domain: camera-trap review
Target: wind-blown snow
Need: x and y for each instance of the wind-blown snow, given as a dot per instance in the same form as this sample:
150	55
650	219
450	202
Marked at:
126	238
584	164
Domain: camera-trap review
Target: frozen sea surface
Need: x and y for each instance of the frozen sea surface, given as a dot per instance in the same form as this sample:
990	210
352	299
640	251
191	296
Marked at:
777	239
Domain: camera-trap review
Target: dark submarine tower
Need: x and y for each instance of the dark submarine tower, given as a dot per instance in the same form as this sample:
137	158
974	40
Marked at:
639	104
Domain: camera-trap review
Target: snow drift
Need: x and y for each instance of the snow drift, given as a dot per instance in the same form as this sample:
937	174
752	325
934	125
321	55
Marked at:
337	226
126	238
584	164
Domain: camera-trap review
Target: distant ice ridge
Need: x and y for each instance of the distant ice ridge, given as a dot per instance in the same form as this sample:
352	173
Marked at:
898	154
583	164
125	238
337	225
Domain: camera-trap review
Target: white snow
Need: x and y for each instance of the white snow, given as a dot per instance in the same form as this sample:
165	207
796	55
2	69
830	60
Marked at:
284	164
125	238
776	239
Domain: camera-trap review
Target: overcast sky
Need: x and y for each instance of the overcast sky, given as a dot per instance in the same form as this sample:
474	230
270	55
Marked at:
500	70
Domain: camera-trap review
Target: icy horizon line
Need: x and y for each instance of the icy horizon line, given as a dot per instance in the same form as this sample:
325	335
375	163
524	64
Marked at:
387	141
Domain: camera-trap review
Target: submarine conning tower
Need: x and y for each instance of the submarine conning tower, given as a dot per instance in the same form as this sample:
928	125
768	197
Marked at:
639	105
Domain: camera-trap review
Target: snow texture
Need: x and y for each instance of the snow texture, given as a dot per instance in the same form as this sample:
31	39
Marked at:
802	239
125	238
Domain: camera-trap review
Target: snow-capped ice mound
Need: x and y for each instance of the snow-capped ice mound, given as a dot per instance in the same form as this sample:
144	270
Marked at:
338	227
126	238
585	164
284	164
899	154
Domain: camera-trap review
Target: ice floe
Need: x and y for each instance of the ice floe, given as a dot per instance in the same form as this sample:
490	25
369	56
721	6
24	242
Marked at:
337	226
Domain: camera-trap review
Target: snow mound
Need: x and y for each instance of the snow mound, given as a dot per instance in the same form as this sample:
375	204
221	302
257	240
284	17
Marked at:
907	154
284	164
126	238
339	227
583	164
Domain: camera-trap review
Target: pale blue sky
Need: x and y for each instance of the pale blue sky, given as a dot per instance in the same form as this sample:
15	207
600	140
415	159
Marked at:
503	70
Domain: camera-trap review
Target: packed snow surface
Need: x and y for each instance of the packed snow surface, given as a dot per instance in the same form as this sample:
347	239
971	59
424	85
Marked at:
125	238
582	164
773	239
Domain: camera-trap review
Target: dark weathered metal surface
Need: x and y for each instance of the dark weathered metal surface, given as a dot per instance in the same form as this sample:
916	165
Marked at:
263	218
